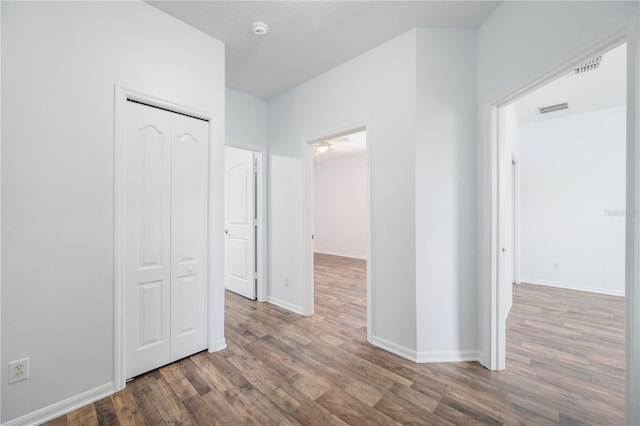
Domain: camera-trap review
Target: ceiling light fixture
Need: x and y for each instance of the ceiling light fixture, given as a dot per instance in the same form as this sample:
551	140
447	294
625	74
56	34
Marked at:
323	147
259	28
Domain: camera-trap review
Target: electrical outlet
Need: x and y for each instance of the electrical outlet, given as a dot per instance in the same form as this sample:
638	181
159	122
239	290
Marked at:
18	370
286	281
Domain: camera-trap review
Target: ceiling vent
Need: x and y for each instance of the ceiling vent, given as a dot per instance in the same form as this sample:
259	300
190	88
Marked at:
592	65
553	108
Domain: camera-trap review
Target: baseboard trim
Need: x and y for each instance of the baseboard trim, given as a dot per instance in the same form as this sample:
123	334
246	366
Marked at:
336	253
577	287
63	407
483	360
425	357
394	348
448	356
220	345
285	305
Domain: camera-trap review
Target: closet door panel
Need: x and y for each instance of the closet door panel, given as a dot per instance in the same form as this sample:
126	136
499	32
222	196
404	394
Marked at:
189	210
147	244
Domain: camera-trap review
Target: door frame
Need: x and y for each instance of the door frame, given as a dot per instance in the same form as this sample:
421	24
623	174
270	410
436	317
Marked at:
496	353
121	96
261	243
308	263
516	218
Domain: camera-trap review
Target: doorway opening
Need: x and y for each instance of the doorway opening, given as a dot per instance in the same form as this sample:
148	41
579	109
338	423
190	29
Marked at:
244	221
561	232
337	219
497	187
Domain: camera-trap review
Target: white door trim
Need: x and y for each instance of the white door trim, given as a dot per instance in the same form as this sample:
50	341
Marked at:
516	219
625	33
308	281
632	262
495	358
308	303
261	293
121	96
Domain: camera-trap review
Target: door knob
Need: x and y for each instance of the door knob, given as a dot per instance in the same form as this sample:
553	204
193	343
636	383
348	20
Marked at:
190	269
226	231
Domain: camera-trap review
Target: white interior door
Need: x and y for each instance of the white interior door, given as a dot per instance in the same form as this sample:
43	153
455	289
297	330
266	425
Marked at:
189	189
240	220
165	216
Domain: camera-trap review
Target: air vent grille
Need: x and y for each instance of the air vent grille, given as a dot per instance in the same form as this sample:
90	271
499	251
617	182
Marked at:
592	65
553	108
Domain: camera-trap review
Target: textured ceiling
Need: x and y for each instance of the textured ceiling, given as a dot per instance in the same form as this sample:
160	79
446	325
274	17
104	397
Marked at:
307	38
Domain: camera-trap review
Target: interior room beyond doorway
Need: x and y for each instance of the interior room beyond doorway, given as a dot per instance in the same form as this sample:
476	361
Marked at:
566	145
340	216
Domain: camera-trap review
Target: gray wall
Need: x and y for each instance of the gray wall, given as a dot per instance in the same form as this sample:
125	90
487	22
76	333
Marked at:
445	173
60	63
378	87
572	200
246	118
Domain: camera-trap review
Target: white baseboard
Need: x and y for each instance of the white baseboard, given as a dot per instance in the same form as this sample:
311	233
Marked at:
578	287
63	407
337	253
220	345
394	348
448	356
425	357
483	360
285	305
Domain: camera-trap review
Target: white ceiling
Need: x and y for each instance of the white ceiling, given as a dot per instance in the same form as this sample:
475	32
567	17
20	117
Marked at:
602	88
307	38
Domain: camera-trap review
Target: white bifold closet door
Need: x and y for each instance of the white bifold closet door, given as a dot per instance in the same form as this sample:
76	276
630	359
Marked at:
166	241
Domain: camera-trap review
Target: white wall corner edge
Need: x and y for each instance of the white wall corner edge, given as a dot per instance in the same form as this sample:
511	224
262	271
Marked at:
577	287
285	305
63	407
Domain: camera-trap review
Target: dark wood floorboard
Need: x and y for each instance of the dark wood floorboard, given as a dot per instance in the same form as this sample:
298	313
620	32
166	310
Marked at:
565	365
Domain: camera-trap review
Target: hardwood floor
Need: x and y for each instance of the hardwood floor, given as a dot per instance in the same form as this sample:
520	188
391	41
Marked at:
565	366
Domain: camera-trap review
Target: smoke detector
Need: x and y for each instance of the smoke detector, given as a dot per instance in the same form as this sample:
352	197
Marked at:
259	28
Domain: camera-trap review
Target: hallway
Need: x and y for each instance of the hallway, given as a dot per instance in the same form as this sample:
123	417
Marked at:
564	366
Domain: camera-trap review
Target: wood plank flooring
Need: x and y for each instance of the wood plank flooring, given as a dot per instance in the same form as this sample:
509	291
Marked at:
565	366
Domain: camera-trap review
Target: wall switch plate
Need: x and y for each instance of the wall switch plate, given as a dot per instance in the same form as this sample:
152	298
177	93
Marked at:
19	370
286	281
